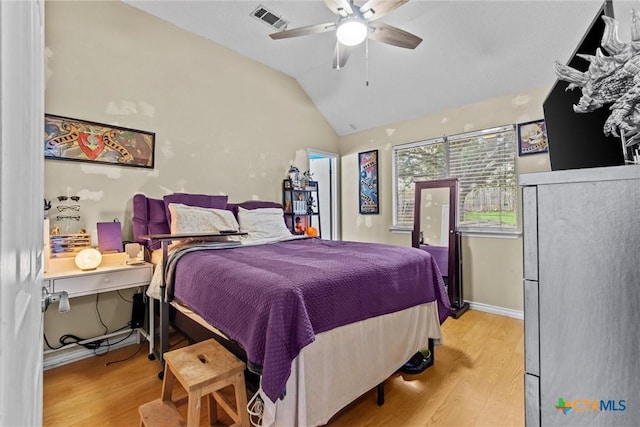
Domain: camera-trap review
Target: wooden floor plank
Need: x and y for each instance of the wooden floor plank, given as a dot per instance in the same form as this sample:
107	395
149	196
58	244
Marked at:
477	380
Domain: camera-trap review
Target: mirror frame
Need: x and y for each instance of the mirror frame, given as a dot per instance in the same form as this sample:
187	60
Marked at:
454	279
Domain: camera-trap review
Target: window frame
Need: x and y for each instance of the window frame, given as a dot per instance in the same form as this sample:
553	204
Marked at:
489	231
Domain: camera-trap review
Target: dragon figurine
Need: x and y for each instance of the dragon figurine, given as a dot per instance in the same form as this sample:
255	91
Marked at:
612	78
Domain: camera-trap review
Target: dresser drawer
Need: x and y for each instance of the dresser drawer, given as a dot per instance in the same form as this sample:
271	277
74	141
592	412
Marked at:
102	282
530	232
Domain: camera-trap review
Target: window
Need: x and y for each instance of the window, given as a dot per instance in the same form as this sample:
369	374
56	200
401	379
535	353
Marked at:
484	163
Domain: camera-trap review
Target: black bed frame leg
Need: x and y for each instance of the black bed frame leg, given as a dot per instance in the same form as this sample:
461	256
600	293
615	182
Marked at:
164	312
432	353
164	333
432	357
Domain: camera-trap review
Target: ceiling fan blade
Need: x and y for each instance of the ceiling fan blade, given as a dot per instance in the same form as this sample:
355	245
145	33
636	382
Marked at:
303	31
380	7
394	36
340	55
336	5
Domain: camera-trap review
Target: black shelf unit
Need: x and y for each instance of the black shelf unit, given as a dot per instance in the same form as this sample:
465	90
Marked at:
301	206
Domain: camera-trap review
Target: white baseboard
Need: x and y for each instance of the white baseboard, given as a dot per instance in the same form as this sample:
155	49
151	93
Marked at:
64	357
493	309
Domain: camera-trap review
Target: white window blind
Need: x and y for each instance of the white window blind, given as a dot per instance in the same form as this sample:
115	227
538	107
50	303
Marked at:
411	163
484	163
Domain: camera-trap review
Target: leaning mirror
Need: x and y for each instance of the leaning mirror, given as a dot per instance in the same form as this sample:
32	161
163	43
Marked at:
435	231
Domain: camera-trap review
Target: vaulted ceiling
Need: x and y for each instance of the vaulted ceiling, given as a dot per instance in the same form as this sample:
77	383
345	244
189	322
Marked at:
471	51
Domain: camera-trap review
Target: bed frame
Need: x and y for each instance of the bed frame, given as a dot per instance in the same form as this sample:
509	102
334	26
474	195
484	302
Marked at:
192	330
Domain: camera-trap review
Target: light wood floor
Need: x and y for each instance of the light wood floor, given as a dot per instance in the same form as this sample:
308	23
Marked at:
477	380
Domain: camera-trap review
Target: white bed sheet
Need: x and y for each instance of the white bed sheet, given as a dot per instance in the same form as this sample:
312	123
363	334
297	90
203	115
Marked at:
345	362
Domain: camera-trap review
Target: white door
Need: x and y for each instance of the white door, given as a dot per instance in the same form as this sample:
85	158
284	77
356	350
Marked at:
21	210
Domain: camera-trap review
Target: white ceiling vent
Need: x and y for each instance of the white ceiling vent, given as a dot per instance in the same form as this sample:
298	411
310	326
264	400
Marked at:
270	18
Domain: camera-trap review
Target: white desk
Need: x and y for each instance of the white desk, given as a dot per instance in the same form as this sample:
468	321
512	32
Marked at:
113	274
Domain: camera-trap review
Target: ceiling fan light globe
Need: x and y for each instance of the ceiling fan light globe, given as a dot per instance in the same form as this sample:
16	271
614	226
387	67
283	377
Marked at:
351	32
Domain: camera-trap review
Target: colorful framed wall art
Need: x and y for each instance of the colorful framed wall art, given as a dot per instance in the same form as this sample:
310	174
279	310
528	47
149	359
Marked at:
81	140
368	182
532	138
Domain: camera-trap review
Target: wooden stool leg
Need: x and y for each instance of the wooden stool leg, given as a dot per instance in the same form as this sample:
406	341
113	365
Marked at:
241	400
213	409
167	383
193	413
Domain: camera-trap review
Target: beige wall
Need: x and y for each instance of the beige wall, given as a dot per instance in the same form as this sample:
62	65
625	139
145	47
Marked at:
223	123
492	270
226	124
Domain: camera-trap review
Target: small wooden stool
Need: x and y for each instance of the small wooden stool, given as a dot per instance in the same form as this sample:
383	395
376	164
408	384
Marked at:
202	369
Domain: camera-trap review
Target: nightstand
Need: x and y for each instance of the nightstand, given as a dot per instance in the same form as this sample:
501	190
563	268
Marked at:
112	274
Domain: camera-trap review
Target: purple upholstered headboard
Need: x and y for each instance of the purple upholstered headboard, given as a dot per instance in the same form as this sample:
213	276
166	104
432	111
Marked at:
150	216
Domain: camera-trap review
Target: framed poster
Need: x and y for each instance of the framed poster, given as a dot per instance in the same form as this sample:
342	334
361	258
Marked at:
532	138
81	140
368	182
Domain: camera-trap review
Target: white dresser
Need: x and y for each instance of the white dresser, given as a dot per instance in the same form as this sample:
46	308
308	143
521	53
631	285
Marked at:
582	297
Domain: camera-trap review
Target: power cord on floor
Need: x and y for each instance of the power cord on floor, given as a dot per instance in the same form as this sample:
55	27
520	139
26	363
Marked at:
128	357
139	348
68	339
109	344
96	345
46	341
255	408
73	339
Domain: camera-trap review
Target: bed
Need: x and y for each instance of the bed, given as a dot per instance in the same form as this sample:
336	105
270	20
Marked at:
320	321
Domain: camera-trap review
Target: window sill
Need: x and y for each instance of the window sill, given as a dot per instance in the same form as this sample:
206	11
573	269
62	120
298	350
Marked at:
469	233
401	230
493	234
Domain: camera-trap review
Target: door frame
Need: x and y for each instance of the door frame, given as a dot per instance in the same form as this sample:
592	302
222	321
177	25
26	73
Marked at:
334	160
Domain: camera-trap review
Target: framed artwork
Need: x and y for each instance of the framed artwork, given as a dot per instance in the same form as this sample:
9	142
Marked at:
81	140
532	138
368	182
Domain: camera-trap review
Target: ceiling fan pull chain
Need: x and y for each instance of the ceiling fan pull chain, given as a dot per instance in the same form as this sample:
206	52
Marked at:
366	59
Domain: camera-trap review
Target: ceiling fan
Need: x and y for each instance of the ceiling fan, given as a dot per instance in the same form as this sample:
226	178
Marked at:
354	25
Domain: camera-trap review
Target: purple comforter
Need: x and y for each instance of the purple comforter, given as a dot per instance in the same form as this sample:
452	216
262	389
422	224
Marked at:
274	298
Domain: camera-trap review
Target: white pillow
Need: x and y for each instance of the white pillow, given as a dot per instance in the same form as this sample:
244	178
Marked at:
263	223
193	219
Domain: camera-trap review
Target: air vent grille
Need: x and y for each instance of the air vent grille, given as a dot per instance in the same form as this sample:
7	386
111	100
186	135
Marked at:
270	18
